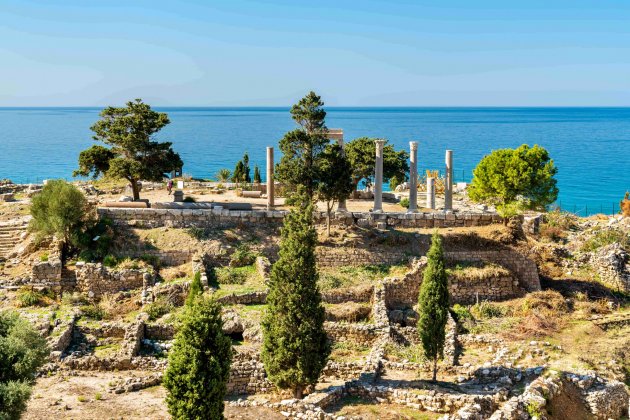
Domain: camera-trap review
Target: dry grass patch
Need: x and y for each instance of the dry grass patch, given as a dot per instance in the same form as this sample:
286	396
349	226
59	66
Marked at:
476	271
348	311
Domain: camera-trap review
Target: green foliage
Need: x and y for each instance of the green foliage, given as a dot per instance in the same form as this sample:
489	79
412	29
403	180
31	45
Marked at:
93	311
433	303
404	202
44	257
335	182
160	307
198	364
229	275
257	179
362	157
28	296
95	240
199	234
605	237
110	261
513	179
60	210
295	346
395	181
196	289
238	175
302	147
22	351
242	256
132	155
486	310
190	200
223	175
461	312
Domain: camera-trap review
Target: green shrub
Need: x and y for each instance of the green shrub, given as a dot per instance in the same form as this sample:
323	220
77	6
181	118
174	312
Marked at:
93	311
196	289
242	256
28	296
605	237
404	202
72	299
199	234
152	260
110	261
190	200
22	351
461	312
43	257
159	308
485	310
237	275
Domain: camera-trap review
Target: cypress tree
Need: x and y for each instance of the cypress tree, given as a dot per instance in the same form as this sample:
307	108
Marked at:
199	364
433	304
257	179
295	345
239	172
196	289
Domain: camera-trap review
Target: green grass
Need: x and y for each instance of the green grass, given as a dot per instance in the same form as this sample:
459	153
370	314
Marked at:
237	280
106	350
349	351
605	237
349	276
412	353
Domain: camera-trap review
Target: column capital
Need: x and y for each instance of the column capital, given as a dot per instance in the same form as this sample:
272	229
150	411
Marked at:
413	145
379	142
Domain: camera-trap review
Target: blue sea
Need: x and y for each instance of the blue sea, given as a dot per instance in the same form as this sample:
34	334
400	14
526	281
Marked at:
590	146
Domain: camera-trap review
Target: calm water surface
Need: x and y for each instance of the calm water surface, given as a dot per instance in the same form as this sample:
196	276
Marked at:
591	146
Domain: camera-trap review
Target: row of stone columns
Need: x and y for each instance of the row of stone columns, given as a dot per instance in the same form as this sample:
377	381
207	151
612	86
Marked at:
378	181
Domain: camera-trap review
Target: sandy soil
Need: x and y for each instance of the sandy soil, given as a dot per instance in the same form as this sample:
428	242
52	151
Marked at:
86	397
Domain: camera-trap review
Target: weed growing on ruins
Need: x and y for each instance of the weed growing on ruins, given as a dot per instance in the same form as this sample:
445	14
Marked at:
199	364
27	296
295	345
22	351
433	304
605	237
93	311
404	202
160	307
242	256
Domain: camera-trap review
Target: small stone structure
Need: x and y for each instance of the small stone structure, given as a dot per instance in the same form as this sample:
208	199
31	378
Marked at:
96	279
49	272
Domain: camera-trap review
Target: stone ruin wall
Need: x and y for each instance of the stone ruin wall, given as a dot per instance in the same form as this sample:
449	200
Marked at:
403	292
97	280
49	271
217	218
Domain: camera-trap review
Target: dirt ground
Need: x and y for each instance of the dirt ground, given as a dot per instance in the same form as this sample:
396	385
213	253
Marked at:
86	397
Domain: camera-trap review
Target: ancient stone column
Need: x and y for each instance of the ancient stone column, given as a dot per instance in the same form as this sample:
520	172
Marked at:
431	193
342	203
270	189
448	181
378	177
413	176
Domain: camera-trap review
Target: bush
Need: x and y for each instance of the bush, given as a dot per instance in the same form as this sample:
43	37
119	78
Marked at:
28	296
22	351
231	275
404	202
110	261
199	234
93	311
242	257
605	237
461	312
159	308
190	200
43	257
486	310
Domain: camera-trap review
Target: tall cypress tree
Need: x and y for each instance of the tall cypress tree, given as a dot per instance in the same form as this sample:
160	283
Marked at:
433	304
295	345
199	364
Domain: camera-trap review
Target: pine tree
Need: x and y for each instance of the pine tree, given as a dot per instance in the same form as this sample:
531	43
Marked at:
199	364
295	345
257	179
196	289
433	304
248	178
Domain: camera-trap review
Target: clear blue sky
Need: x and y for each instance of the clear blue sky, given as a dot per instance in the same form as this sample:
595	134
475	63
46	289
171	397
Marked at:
354	53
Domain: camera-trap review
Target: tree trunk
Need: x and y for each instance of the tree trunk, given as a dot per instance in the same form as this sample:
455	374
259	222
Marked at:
134	189
434	369
298	392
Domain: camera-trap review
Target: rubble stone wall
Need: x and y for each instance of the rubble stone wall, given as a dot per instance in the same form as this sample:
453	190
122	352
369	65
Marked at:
96	279
184	218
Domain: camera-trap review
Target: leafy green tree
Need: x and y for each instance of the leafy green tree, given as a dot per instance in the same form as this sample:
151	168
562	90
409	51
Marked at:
198	364
257	179
60	210
362	157
512	179
295	346
22	351
196	289
433	304
223	175
335	180
302	147
133	154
